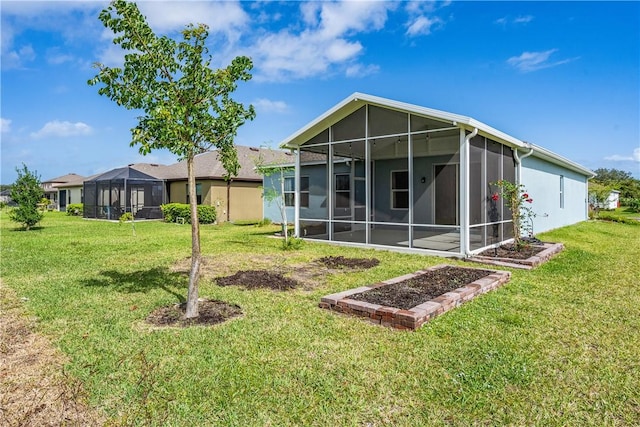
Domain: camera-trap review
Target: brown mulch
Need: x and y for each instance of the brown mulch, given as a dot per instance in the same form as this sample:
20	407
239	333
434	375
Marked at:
210	312
340	261
509	251
412	292
255	279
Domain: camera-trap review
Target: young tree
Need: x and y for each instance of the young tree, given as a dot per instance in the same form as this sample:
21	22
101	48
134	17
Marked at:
27	193
277	173
187	105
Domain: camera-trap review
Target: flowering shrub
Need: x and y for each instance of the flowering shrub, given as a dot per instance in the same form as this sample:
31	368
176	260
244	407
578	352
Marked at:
522	215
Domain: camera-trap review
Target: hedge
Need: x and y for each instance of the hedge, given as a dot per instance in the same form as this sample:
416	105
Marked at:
173	211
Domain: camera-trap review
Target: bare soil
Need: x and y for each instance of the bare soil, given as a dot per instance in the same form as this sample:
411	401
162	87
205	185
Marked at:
210	312
255	279
340	262
510	251
412	292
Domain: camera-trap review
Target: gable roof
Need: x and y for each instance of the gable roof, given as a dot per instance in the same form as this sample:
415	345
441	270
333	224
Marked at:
357	100
64	179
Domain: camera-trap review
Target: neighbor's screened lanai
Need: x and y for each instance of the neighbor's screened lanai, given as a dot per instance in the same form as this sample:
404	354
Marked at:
121	190
381	176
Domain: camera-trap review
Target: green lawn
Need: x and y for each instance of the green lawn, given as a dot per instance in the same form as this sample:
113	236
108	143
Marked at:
558	345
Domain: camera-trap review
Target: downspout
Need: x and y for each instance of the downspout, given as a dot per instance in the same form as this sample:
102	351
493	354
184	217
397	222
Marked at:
518	160
465	216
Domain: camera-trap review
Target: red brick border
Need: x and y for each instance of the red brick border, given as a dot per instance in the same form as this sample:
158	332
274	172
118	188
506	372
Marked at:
550	249
418	315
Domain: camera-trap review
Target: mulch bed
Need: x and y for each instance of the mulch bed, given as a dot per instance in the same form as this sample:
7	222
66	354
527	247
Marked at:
413	292
210	312
509	251
340	261
255	279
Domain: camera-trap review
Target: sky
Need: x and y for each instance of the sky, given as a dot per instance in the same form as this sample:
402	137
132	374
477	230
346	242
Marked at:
562	75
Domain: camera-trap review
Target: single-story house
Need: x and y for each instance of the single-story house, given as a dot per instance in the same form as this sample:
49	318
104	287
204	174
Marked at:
239	198
63	190
381	173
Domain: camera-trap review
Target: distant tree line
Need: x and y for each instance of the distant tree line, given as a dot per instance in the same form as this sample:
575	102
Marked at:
606	180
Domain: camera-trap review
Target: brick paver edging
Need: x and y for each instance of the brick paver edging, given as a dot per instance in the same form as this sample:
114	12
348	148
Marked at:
550	249
417	316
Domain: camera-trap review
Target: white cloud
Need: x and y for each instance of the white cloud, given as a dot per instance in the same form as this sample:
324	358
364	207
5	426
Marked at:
421	26
17	58
5	125
359	70
533	61
523	19
220	16
269	106
518	20
634	157
326	43
57	128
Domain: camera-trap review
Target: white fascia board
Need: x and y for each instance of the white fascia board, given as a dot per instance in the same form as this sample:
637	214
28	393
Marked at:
557	159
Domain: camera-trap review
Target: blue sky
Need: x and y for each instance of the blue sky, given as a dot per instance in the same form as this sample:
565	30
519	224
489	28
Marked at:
563	75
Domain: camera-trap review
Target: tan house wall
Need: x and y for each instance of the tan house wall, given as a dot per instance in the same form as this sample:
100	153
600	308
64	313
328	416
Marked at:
245	197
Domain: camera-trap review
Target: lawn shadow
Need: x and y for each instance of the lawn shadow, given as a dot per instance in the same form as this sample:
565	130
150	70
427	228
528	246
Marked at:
140	281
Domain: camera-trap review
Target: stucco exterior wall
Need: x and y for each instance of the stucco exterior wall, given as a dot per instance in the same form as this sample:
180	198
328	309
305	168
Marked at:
245	198
543	181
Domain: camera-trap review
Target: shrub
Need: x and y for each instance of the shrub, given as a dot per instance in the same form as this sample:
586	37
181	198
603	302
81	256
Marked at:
75	209
173	211
27	193
611	216
127	216
632	203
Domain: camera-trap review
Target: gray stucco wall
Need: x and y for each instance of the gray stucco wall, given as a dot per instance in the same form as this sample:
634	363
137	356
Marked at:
542	180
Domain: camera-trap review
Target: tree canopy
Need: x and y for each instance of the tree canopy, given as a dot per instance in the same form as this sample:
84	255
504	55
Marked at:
187	105
27	193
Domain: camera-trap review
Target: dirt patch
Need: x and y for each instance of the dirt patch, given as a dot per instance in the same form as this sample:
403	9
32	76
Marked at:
210	312
509	251
34	388
422	288
340	262
256	279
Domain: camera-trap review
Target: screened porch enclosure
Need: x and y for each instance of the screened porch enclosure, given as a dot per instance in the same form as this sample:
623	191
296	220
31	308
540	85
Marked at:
110	195
392	178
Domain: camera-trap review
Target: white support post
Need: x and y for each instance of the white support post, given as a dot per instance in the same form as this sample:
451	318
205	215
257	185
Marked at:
296	214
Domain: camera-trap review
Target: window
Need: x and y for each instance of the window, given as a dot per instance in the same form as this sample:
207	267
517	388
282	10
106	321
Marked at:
561	192
343	190
198	192
399	190
290	191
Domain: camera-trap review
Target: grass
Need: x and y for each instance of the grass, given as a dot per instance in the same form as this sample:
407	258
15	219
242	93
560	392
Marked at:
557	345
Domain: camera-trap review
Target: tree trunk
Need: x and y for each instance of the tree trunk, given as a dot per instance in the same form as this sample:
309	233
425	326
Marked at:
194	275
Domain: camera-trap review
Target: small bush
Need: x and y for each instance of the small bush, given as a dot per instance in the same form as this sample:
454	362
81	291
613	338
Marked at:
631	203
127	216
292	244
75	209
173	211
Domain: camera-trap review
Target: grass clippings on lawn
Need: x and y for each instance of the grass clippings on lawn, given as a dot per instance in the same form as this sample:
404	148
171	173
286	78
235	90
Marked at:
556	346
34	388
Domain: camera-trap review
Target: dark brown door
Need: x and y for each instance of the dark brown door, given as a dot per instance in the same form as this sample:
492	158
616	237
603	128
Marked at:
446	194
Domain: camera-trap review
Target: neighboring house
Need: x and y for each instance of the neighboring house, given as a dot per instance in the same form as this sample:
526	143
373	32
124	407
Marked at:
238	198
377	172
60	198
5	197
111	194
613	201
71	192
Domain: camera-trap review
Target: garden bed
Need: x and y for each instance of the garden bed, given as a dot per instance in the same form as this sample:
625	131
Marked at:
409	301
527	258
